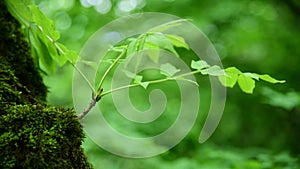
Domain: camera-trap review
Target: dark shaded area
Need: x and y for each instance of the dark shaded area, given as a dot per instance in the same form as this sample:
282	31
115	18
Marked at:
33	134
15	53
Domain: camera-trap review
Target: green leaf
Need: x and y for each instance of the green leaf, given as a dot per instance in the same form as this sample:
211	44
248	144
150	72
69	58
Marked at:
168	70
252	75
136	44
141	42
177	41
245	80
138	79
145	84
132	47
60	56
246	83
66	54
231	77
287	101
46	61
49	43
214	71
168	25
44	24
19	8
200	64
160	40
72	56
269	79
118	49
153	51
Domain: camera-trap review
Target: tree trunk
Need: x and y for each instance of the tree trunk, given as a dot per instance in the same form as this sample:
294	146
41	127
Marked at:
33	134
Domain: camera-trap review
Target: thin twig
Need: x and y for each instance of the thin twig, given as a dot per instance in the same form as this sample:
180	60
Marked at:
89	108
76	68
83	76
96	97
101	94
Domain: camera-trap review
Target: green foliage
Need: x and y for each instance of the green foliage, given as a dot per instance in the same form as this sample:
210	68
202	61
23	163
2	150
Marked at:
246	83
245	80
167	25
199	65
45	45
168	70
21	10
160	40
208	156
43	35
231	77
287	100
153	42
205	69
177	41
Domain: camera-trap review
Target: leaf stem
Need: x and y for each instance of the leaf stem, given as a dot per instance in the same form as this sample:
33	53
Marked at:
97	97
164	26
109	69
76	68
151	82
187	74
83	76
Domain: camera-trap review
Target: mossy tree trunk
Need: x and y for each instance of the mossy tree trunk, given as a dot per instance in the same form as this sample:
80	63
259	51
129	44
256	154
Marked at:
33	134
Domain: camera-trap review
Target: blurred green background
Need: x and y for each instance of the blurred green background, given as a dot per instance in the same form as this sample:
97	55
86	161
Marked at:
256	131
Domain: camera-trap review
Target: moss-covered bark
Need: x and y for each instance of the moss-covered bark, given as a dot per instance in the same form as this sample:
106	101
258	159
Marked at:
33	134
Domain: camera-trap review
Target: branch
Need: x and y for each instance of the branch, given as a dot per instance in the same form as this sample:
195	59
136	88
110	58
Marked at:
97	97
89	108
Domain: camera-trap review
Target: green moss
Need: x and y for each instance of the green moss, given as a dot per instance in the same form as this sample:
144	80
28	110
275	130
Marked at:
32	134
15	49
40	136
11	90
8	88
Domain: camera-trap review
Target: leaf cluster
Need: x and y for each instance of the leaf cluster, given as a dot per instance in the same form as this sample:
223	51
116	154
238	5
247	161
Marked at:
42	35
153	42
230	76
